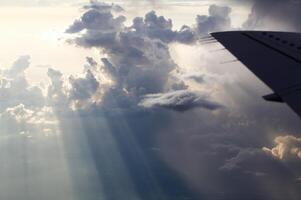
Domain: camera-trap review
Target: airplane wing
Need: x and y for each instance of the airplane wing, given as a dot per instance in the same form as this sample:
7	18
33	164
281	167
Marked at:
275	57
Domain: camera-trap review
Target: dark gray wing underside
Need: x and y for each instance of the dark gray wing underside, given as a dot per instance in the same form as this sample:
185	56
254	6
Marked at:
275	57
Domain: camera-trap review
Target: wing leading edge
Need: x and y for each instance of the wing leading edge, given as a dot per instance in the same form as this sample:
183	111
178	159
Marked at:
275	57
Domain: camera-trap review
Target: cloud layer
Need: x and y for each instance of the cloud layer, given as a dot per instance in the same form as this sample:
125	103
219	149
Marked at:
108	126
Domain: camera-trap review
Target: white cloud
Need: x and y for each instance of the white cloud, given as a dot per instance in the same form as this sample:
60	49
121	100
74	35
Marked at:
20	119
287	147
15	88
181	100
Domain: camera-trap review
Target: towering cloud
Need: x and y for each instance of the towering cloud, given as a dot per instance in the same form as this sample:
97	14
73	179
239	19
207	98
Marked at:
139	60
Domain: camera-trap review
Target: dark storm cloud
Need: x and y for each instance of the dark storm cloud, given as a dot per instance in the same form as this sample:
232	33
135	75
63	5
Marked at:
275	14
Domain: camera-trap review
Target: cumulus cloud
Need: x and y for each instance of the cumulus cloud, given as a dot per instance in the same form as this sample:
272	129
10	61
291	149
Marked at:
99	19
84	89
19	66
15	89
154	27
23	106
287	147
20	119
138	62
102	28
218	19
181	100
138	58
74	92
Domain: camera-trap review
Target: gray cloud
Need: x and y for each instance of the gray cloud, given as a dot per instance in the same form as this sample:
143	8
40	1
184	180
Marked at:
102	28
218	19
94	4
99	19
275	14
139	60
83	88
229	143
55	92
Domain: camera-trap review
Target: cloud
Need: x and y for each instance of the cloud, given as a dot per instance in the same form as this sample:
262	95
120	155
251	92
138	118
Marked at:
249	160
15	89
275	15
218	19
19	66
138	61
99	19
56	90
181	100
138	57
23	105
154	27
287	147
102	28
83	90
221	148
20	119
94	4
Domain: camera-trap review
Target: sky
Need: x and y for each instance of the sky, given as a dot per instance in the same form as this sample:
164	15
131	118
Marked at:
122	100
